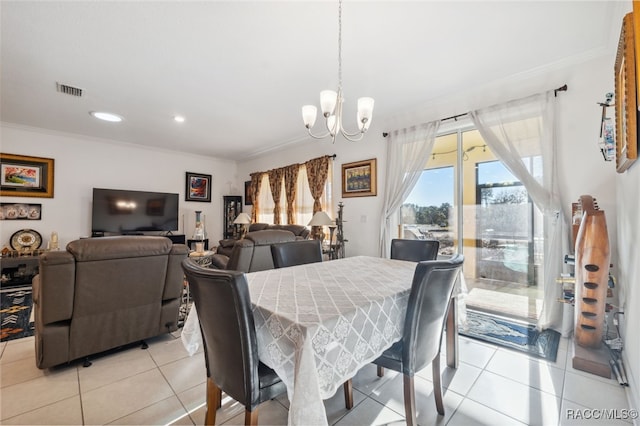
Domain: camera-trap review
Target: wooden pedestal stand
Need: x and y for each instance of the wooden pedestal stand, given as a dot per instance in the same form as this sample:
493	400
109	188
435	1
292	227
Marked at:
592	276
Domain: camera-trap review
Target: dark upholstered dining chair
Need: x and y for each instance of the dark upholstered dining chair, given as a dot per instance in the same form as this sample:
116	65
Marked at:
431	289
228	331
296	253
414	250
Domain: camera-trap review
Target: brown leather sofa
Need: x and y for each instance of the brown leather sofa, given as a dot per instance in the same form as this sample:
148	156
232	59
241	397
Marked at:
101	293
253	252
301	232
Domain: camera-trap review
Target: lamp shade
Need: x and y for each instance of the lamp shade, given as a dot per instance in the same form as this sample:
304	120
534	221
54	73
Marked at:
320	219
242	219
328	100
309	114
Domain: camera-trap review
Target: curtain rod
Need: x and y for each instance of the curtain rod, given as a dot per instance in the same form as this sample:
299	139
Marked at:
562	88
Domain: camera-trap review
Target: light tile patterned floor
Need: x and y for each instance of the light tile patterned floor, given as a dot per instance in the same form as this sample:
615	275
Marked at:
163	385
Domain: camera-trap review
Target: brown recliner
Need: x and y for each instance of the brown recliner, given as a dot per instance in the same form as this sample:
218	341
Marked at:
101	293
253	252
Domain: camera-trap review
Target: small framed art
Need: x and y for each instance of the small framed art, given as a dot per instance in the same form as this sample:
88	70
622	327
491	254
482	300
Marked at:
247	193
359	179
198	187
23	176
17	211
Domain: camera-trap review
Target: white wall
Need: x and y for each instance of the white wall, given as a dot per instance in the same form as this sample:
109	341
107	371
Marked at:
627	269
83	163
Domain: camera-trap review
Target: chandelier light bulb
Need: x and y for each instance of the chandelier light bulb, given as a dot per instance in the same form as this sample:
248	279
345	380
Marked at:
309	115
328	100
331	125
365	112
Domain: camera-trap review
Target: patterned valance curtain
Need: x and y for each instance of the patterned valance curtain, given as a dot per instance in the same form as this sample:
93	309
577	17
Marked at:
254	191
275	183
317	171
290	184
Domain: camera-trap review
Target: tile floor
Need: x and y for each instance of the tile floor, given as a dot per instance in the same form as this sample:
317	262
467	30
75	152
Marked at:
164	385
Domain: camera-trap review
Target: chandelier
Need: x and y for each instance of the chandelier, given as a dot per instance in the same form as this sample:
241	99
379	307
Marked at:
331	105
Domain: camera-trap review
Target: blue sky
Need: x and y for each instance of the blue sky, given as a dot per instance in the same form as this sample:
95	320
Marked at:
435	186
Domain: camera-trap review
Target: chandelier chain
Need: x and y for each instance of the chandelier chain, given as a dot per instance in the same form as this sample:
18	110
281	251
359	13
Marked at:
340	44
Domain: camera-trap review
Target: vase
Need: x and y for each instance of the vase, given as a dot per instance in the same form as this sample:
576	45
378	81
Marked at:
200	232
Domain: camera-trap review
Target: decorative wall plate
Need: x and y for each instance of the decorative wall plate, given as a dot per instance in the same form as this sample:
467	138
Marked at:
26	239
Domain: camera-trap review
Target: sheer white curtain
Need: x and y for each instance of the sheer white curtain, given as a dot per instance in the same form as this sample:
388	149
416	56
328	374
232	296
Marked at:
521	133
407	153
265	214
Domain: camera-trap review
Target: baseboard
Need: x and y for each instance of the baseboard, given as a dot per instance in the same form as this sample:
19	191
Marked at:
632	391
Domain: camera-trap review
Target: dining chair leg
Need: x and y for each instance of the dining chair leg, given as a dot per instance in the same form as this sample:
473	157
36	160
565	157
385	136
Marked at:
348	394
437	384
409	401
251	417
214	401
380	371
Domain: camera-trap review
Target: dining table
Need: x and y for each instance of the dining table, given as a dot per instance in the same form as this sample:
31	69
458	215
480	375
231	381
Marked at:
318	324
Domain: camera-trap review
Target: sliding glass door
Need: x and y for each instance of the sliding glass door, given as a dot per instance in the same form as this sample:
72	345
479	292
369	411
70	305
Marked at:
467	198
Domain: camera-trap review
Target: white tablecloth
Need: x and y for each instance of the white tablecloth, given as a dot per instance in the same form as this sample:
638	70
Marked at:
318	324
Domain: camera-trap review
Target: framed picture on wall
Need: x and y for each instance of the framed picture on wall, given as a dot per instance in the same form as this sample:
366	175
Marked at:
625	98
11	211
198	187
359	179
23	176
247	193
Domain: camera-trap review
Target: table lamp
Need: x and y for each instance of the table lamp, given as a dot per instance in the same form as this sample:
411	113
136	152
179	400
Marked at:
242	219
322	219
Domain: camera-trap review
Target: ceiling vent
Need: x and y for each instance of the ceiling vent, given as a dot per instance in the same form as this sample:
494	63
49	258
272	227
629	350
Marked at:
69	90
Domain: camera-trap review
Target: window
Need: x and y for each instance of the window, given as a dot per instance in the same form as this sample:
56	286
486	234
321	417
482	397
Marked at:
303	202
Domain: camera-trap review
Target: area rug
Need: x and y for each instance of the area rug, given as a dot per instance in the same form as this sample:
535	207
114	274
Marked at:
15	313
512	334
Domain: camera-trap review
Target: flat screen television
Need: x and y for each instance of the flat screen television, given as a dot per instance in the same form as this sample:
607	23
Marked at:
122	212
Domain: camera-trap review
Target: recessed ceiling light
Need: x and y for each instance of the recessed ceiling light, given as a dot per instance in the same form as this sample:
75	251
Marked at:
179	118
106	116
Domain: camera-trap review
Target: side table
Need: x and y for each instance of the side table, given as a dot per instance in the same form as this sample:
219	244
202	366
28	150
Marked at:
192	244
203	259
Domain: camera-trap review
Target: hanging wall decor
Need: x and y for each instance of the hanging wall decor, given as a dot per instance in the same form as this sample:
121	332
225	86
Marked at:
625	95
17	211
198	187
23	176
359	179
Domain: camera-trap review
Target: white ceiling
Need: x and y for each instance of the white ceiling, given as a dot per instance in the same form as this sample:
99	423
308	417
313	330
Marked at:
240	71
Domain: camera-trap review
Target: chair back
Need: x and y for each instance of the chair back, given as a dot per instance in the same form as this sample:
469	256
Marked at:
414	250
296	253
431	289
228	330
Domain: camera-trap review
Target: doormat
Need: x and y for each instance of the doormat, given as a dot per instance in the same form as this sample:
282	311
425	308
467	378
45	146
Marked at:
511	334
15	313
